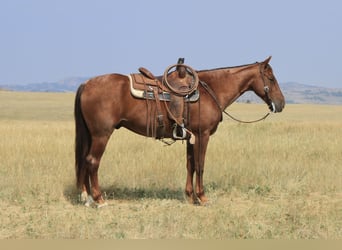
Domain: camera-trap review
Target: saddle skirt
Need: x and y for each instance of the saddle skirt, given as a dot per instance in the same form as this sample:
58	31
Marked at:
143	87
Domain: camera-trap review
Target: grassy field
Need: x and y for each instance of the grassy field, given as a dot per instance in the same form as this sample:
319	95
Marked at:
277	179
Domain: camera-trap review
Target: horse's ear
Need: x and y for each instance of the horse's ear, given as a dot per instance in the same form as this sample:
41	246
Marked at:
267	61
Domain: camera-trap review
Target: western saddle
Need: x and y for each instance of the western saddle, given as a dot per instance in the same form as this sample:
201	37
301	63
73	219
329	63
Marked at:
145	85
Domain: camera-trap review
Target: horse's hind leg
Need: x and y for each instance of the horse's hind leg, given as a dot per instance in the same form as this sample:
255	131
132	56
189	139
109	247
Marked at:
93	162
86	192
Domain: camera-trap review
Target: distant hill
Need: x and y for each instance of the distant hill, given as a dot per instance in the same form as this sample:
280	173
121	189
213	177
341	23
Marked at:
302	93
66	85
293	92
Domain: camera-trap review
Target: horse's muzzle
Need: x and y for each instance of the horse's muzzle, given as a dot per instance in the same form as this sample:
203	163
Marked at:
276	107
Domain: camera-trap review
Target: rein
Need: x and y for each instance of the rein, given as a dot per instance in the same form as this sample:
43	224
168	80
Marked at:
238	120
213	95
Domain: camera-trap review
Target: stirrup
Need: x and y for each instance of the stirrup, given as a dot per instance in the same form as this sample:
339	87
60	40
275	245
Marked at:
174	134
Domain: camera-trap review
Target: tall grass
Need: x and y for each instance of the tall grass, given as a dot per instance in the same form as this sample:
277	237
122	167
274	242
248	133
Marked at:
277	179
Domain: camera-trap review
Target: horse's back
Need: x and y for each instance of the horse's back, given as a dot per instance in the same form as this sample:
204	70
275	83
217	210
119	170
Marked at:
104	86
103	82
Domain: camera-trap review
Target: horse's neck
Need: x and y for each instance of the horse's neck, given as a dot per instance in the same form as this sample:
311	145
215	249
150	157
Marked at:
229	83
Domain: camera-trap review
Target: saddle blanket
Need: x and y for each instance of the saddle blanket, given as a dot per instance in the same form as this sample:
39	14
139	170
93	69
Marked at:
148	93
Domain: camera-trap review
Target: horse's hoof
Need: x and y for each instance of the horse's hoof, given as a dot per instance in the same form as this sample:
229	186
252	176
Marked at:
101	205
89	202
83	196
203	201
190	198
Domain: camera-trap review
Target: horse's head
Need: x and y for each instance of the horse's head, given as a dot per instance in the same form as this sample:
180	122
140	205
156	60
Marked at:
267	87
183	80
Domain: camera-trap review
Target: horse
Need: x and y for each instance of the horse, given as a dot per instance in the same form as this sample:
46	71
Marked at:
104	103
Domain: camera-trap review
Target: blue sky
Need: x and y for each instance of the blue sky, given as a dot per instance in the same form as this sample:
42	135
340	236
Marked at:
46	41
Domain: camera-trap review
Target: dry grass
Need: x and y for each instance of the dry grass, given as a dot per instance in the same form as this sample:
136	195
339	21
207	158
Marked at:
278	179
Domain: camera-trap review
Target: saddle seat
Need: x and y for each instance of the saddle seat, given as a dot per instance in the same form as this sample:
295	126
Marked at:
145	80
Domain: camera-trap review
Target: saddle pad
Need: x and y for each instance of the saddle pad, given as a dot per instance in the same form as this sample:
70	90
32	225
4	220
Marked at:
142	93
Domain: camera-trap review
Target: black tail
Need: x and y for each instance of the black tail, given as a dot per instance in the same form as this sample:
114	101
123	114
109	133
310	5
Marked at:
82	139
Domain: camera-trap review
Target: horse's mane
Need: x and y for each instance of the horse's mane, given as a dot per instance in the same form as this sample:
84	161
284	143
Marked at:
229	67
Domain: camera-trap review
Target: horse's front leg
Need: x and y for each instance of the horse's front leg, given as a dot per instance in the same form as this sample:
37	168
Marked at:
190	166
199	155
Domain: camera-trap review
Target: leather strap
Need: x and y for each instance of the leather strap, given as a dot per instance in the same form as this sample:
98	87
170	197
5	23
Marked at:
160	119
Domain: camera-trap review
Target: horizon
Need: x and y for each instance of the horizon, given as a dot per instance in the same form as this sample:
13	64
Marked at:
84	78
50	41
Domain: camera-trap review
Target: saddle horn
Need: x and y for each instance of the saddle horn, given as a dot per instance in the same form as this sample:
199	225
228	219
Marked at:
180	69
180	60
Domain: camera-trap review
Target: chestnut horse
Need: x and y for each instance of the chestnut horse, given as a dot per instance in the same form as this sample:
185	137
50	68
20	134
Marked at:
104	103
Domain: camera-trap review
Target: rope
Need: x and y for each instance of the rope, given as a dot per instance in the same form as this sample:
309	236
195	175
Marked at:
182	92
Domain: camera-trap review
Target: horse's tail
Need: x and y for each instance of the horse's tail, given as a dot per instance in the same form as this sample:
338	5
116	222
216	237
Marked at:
82	139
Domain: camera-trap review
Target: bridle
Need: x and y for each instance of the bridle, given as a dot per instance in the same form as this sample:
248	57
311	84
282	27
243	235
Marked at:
266	88
222	110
